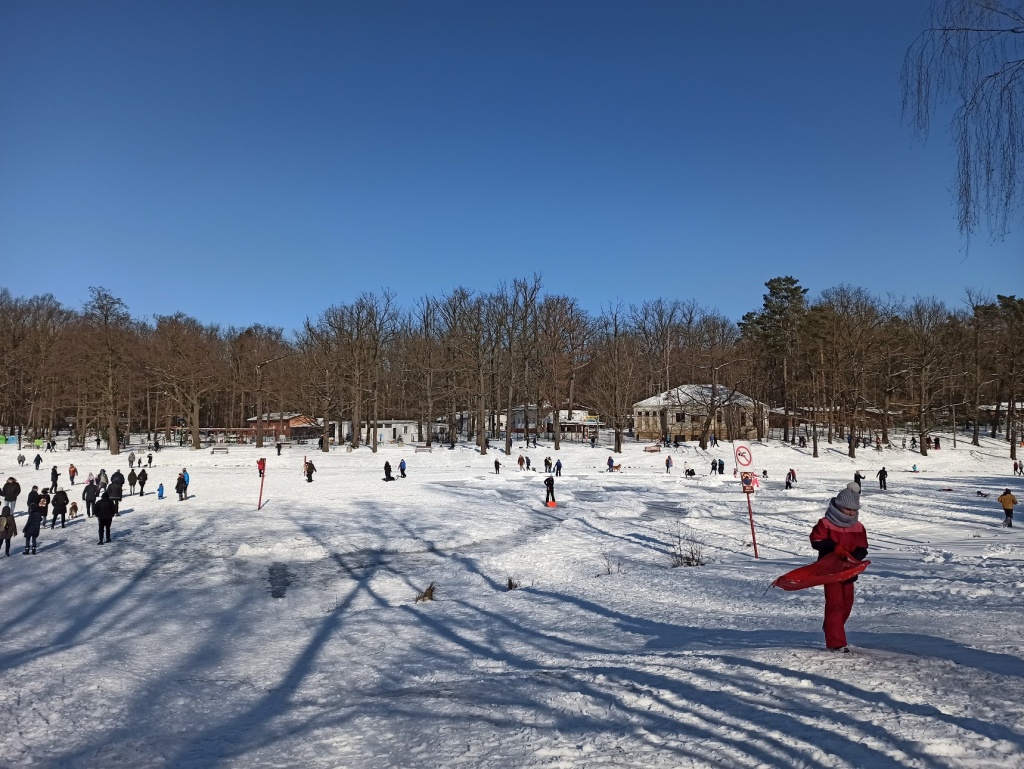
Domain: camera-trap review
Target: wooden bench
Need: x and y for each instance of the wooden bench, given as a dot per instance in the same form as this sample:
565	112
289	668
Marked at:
219	450
428	449
653	448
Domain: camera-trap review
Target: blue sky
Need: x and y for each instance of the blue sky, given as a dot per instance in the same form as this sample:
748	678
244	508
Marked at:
260	161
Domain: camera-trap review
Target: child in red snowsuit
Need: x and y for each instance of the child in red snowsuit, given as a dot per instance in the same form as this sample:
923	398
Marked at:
840	532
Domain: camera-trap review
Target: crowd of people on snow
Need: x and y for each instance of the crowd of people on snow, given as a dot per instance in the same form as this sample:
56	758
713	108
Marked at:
101	497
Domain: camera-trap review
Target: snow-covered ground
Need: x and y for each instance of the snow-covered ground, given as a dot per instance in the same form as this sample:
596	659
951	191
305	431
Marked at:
209	634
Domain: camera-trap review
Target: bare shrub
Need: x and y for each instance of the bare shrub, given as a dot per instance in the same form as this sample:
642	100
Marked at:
688	549
512	583
611	564
428	594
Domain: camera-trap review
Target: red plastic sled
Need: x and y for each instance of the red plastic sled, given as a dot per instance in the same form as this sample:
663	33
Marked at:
829	569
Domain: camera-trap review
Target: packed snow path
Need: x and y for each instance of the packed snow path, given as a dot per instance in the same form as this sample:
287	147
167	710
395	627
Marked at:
208	634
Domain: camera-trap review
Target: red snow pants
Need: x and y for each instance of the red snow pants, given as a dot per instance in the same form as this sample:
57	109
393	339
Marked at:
838	605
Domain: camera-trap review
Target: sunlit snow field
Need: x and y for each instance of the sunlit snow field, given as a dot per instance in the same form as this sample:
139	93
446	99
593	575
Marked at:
208	634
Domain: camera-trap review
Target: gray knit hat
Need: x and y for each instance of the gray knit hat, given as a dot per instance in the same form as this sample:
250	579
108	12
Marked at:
848	498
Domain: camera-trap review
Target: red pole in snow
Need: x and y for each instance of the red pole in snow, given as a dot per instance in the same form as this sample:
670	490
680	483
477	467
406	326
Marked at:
750	512
263	477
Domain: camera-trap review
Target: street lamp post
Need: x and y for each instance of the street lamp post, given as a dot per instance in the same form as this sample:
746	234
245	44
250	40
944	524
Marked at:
259	396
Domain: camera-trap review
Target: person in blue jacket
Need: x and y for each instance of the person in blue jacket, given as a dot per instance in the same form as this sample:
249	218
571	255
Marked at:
401	468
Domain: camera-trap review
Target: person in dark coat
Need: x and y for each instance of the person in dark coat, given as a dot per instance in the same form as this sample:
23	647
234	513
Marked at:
43	503
31	529
549	489
882	475
149	460
33	497
841	532
54	475
180	487
133	478
37	461
60	507
143	477
117	477
387	471
116	492
278	445
89	495
8	529
721	466
309	469
10	492
857	478
497	467
105	513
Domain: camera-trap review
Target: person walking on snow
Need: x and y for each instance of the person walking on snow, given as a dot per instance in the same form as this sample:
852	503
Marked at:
31	529
309	469
89	495
133	478
882	475
10	492
105	513
184	474
60	507
857	478
143	477
37	461
261	465
387	471
521	461
841	532
179	486
558	467
668	464
714	466
54	475
72	473
1007	500
8	529
611	463
401	468
721	466
549	489
497	467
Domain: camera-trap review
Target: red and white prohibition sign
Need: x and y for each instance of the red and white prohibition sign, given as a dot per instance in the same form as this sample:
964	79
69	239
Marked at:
743	456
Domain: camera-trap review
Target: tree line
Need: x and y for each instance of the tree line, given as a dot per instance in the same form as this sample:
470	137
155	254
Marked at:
841	364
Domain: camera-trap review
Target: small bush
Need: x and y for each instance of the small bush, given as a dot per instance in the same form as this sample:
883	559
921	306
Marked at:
428	594
688	549
611	565
513	583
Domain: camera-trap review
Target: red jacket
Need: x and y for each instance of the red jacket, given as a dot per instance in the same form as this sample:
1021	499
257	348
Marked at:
826	536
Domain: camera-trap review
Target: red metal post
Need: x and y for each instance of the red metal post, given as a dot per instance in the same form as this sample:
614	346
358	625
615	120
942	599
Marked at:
263	477
753	536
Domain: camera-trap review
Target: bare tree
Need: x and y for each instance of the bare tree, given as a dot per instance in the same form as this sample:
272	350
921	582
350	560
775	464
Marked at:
972	54
186	359
110	324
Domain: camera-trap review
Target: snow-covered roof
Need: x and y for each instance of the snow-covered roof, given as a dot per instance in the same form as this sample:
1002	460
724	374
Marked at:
698	395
